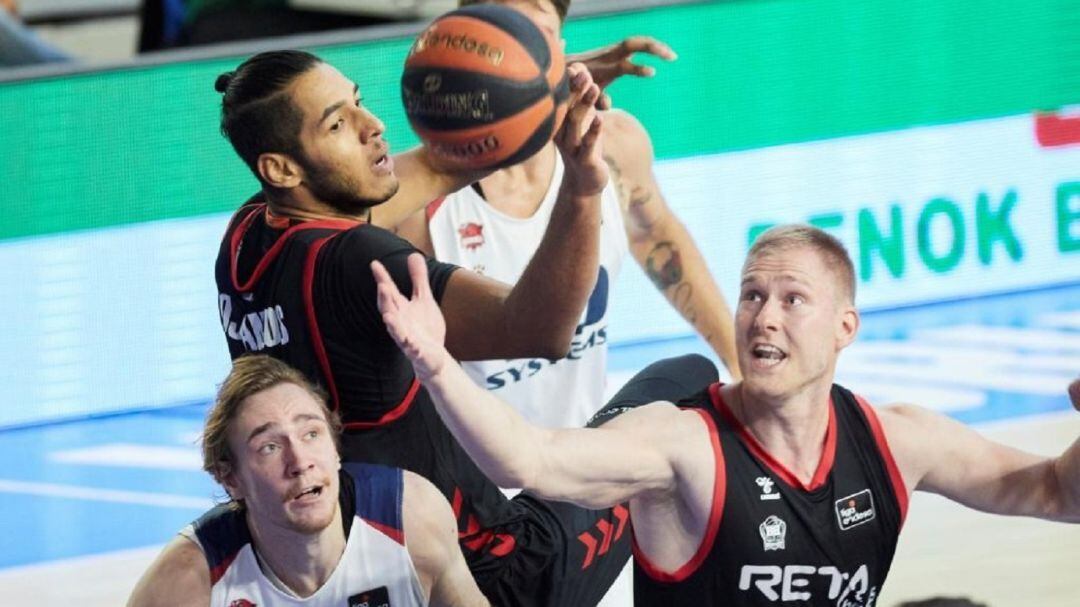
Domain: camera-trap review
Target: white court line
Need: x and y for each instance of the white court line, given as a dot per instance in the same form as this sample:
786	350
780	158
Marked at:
958	356
945	400
128	455
1042	384
1061	320
163	500
1043	340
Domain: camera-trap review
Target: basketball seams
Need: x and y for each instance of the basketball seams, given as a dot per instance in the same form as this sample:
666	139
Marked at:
529	35
484	87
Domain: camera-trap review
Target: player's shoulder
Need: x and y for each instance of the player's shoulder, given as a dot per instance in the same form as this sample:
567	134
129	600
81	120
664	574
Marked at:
621	127
366	241
428	520
179	576
659	418
420	490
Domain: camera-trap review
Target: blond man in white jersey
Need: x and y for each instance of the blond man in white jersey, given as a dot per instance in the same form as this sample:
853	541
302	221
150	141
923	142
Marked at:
301	529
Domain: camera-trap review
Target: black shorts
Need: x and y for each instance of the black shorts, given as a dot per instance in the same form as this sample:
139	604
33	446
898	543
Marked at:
566	555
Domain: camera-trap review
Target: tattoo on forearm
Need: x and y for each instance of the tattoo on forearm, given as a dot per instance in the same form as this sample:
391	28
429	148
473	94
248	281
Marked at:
683	300
664	265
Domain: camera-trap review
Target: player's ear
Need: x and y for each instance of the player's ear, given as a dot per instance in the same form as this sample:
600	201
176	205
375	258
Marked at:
279	170
225	475
847	327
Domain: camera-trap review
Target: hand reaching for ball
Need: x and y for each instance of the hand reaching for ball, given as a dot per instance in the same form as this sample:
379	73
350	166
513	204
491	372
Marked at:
578	139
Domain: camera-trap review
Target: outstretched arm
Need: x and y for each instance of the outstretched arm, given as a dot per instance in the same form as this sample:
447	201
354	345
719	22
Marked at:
660	243
591	467
608	64
940	455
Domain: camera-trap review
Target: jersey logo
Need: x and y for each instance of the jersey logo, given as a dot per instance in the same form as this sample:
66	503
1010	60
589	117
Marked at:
855	509
766	485
472	235
376	597
242	603
772	532
805	583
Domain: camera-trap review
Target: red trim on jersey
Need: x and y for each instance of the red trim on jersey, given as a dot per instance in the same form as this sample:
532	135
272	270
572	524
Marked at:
886	454
320	348
401	409
715	515
433	206
245	223
313	322
398	535
828	453
218	572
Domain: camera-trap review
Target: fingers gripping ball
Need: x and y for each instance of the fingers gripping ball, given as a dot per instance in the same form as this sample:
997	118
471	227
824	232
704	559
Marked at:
484	87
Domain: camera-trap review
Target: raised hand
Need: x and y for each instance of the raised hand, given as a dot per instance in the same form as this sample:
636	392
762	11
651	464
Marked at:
609	63
578	139
415	323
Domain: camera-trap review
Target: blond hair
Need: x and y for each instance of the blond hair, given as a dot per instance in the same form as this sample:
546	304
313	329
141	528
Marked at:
250	375
785	237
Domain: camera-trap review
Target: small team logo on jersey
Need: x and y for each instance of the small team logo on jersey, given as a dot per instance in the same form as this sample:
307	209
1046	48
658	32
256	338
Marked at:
376	597
772	532
472	235
855	509
766	485
242	603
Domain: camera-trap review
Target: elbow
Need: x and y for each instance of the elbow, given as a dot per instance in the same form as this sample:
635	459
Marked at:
557	346
554	343
512	474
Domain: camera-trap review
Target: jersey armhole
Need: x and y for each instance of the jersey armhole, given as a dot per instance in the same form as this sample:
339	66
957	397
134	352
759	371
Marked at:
897	481
715	515
432	207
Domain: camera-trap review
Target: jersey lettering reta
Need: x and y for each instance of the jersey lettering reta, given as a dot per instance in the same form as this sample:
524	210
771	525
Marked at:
375	568
772	540
467	231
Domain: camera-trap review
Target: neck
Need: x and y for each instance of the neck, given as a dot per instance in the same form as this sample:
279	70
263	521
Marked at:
307	208
519	190
302	561
791	428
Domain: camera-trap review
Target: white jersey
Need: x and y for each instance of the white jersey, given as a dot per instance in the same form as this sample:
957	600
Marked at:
374	570
467	231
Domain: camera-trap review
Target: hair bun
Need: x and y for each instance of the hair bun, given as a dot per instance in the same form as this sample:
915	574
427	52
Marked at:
223	81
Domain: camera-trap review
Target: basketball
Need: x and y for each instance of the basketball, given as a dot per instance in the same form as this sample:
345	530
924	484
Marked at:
484	87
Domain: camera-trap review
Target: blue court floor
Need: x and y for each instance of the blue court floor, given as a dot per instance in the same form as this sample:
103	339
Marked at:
94	486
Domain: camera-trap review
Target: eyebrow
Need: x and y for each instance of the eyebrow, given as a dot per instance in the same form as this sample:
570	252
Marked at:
335	106
784	277
299	417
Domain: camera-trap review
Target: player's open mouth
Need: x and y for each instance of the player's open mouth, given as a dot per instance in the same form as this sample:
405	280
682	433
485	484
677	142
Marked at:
767	355
309	493
384	164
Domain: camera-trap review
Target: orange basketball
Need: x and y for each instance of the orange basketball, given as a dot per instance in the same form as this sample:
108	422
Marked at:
484	87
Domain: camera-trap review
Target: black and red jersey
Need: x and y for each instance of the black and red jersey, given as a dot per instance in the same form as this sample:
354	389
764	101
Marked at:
303	292
771	540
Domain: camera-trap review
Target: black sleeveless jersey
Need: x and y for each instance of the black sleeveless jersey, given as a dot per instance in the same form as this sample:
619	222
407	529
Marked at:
772	540
303	292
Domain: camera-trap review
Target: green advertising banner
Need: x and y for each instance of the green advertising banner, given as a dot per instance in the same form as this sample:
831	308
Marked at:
140	144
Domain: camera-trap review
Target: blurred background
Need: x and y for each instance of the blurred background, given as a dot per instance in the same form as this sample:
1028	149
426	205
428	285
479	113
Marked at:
940	140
